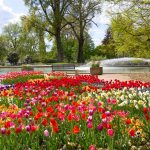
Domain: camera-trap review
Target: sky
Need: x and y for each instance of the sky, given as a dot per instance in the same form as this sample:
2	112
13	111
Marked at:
11	10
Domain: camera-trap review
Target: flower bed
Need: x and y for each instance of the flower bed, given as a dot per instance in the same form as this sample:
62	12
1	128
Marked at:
79	112
14	77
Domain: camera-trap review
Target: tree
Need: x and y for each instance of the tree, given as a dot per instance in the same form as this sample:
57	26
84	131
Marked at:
13	58
28	59
81	14
3	50
108	48
19	41
12	33
108	37
88	47
70	49
29	26
29	45
70	46
131	29
51	13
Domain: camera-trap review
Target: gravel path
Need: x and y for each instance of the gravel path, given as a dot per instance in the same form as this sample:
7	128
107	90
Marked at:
145	77
121	77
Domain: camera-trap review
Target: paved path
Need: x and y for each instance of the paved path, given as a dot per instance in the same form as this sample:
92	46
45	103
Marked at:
121	77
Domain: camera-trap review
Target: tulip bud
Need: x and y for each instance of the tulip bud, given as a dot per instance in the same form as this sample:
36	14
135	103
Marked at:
100	127
110	132
90	125
46	133
92	147
3	130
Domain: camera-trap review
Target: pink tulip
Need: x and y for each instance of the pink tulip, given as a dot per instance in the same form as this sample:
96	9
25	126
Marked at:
110	132
46	133
92	147
90	125
114	101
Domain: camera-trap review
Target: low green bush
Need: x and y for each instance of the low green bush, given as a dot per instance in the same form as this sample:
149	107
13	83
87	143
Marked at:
136	61
49	61
97	58
95	65
27	68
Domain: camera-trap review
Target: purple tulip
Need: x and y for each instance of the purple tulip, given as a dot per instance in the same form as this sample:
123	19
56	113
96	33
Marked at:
107	113
3	130
28	128
91	112
25	104
43	104
100	127
29	108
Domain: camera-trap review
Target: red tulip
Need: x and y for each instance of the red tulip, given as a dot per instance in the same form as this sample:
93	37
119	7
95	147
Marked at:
49	109
18	130
145	110
76	129
132	132
55	129
70	117
53	122
84	116
128	121
44	122
8	132
33	128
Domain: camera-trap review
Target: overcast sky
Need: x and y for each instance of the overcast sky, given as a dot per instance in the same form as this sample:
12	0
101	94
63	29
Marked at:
11	10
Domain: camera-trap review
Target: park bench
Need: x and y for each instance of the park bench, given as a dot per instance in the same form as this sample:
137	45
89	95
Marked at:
65	68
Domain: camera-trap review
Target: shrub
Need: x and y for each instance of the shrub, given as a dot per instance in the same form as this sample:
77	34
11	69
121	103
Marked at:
35	60
13	58
28	59
95	65
2	63
138	62
97	58
27	68
46	60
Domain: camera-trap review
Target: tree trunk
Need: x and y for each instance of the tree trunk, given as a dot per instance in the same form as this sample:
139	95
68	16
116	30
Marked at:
80	58
60	52
42	46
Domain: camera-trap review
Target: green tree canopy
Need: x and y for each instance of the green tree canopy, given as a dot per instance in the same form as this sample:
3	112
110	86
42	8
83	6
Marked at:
18	41
51	13
81	14
32	23
3	49
131	29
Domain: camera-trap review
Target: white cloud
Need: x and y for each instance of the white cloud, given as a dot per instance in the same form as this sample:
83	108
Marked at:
98	33
102	20
5	7
103	17
16	18
9	14
12	16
